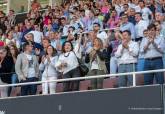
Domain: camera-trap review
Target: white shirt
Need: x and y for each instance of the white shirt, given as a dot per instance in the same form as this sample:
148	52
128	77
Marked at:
140	27
65	30
49	68
136	7
127	56
145	13
31	69
152	52
37	36
103	36
70	59
94	65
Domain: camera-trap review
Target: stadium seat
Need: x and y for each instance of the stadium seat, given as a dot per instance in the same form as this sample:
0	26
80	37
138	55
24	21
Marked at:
85	85
110	83
59	87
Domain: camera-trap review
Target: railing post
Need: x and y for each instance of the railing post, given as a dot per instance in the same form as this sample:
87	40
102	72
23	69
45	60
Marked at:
134	79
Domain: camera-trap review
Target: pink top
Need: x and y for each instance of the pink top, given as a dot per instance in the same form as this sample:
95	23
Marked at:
105	9
112	23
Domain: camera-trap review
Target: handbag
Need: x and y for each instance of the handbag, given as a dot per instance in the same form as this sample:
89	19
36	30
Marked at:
82	67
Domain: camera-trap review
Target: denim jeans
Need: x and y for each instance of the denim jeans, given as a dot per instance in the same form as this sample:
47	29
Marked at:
113	65
14	80
153	65
140	64
126	80
29	89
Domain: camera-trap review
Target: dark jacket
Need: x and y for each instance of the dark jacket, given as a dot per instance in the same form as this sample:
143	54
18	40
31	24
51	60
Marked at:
101	56
6	67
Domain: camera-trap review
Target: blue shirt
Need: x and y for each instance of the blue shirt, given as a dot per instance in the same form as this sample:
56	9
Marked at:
130	27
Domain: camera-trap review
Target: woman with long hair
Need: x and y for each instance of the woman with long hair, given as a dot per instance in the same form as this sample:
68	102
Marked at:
6	65
96	59
13	52
50	73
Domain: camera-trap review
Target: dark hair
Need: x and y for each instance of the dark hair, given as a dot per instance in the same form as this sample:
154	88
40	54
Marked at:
142	1
97	24
54	50
46	39
138	13
128	32
26	44
15	49
63	46
152	25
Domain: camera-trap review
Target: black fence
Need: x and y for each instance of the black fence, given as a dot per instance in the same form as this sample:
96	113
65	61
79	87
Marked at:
136	100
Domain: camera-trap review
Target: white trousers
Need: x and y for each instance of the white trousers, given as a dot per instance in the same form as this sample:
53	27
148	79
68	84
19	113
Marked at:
3	90
48	87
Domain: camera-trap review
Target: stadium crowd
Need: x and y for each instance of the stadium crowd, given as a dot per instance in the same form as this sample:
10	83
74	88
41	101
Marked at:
108	36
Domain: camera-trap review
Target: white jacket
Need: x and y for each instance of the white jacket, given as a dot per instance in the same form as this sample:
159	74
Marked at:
49	68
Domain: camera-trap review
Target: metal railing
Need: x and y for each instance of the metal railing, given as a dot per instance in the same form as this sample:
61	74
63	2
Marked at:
88	77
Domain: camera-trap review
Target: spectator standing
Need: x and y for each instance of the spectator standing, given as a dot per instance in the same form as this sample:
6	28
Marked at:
126	53
50	73
153	51
27	69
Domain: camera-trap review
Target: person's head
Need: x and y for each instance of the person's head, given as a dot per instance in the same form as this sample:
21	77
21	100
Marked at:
3	52
141	3
63	20
45	42
138	16
126	35
51	35
13	50
29	37
98	43
96	26
11	12
28	47
159	16
125	6
132	12
124	18
16	28
135	2
51	51
91	14
151	30
145	33
82	13
36	27
67	47
113	13
10	34
28	25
